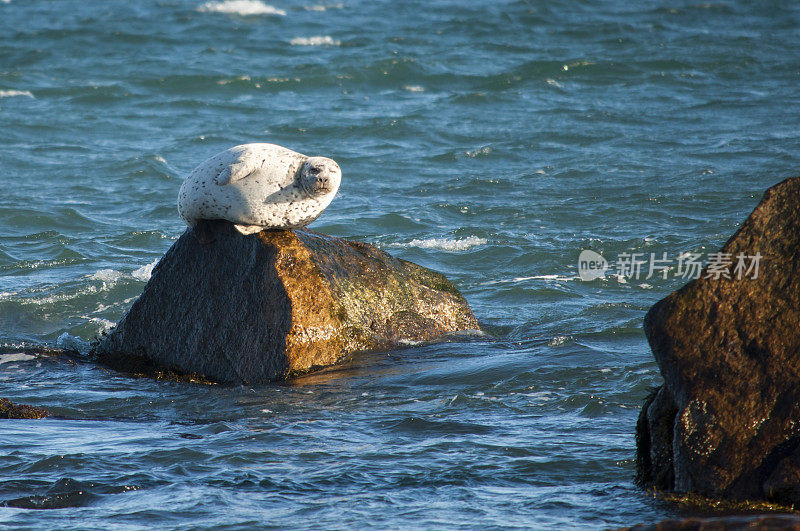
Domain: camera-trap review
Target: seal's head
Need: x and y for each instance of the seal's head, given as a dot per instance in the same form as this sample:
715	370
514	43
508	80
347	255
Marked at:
320	176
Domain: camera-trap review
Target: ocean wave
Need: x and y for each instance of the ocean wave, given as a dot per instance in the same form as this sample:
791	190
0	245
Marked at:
319	40
16	356
479	152
26	298
143	273
541	396
557	278
241	7
414	88
233	80
558	341
110	276
68	342
104	325
444	244
106	275
12	93
320	7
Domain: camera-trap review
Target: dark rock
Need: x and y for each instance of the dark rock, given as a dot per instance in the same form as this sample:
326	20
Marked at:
63	494
654	441
10	410
258	308
724	523
726	423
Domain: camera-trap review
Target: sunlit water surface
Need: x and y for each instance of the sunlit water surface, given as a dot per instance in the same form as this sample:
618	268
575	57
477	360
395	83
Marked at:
491	141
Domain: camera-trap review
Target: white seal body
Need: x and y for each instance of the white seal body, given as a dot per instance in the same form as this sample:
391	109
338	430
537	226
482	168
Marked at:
259	186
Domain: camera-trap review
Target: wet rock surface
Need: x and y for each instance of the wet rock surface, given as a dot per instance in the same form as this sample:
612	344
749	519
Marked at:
251	309
726	422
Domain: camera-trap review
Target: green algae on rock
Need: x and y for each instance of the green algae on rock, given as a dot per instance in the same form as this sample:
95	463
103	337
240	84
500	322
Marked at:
253	309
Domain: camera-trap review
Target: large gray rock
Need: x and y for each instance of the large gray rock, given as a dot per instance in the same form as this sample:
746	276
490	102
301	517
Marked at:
726	422
257	308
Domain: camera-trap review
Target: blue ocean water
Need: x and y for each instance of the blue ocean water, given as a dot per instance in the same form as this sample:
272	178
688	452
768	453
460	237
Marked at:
489	140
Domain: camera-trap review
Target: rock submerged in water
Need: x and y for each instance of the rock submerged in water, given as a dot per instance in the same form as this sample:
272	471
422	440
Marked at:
10	410
253	309
726	422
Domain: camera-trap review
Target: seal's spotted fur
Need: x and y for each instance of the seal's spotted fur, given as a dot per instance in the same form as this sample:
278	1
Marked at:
259	186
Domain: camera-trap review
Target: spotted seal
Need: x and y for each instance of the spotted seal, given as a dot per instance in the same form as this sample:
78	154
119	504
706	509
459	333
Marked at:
259	186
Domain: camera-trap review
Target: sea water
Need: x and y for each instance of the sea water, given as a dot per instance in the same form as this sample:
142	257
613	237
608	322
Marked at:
490	140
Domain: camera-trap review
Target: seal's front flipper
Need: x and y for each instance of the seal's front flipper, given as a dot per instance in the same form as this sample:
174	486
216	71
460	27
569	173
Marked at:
249	229
244	166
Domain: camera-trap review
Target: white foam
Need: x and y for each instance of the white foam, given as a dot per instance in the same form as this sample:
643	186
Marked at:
445	244
110	276
17	356
323	8
485	150
241	7
470	333
68	342
541	396
410	342
107	275
414	88
557	278
233	80
145	272
12	93
559	340
52	299
320	40
105	324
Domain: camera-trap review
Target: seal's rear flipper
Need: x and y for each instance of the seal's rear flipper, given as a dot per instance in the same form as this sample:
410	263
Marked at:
249	229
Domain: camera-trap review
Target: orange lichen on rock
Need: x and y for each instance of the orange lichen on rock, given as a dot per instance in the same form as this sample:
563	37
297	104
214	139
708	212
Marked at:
238	308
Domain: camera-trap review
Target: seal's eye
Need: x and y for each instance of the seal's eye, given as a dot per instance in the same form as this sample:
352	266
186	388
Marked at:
314	170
